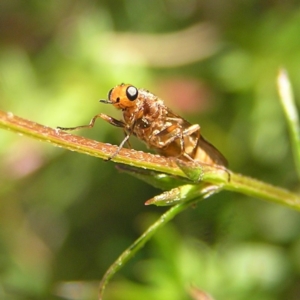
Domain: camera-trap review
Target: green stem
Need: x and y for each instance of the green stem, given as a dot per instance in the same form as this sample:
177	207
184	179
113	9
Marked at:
291	114
83	145
140	242
262	190
211	174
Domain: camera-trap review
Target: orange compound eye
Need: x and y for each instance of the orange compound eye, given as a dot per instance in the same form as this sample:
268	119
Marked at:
132	93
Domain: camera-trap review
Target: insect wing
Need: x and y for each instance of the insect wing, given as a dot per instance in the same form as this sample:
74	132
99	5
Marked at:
176	119
207	153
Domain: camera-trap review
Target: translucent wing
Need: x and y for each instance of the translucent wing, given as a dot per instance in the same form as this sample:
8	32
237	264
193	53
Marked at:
207	153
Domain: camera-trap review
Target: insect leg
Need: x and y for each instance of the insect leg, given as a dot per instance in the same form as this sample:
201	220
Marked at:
116	123
106	118
190	130
112	121
191	143
127	142
176	132
120	146
186	142
127	131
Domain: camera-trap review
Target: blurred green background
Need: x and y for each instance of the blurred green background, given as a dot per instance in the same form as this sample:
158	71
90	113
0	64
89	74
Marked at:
65	217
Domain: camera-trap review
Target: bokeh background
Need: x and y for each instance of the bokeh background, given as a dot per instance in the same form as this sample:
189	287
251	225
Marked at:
65	217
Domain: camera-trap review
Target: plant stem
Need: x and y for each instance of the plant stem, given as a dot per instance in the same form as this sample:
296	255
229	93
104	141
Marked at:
195	196
211	174
291	114
262	190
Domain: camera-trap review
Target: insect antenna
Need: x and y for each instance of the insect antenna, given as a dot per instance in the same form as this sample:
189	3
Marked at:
106	101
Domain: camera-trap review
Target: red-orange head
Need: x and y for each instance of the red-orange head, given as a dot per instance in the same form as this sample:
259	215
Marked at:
122	96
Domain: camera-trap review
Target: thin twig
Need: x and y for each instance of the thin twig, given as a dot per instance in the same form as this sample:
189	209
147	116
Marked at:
211	174
291	114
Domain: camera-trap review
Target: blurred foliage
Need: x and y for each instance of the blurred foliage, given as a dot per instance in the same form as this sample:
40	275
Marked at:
66	217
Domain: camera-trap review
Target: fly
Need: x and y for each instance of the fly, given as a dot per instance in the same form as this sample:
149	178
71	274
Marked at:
150	120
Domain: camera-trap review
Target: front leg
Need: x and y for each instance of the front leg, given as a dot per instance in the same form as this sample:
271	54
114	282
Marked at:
106	118
111	120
